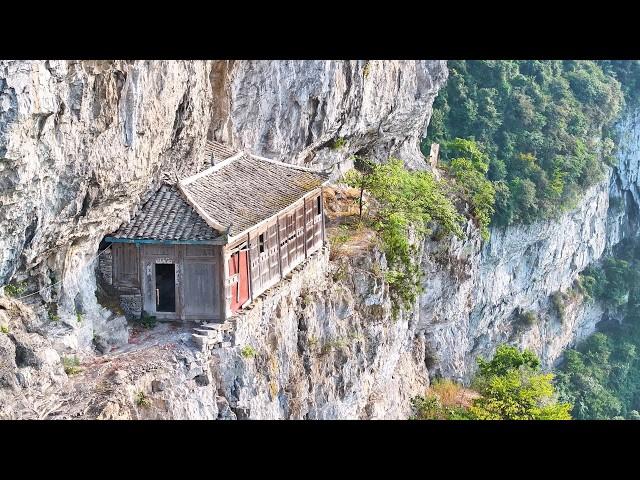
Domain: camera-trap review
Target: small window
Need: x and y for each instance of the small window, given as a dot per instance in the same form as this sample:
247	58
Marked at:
318	205
261	242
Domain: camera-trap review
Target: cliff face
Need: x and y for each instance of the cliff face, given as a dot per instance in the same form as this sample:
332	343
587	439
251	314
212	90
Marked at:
472	291
83	143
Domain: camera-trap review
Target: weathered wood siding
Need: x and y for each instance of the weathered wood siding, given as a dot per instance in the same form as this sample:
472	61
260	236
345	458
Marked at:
238	267
198	291
125	265
201	292
314	229
287	240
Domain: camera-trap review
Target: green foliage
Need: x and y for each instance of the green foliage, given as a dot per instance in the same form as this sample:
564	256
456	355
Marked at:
79	317
4	329
610	282
537	122
366	70
443	401
339	143
332	344
627	72
469	168
148	321
430	407
506	359
513	388
601	376
52	312
526	318
71	365
15	289
340	238
142	400
248	351
405	201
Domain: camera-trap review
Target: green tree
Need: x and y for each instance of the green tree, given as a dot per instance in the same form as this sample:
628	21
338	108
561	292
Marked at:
405	201
547	110
513	388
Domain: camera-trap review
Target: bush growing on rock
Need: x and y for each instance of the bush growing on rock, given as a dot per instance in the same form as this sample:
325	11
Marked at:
405	202
510	386
71	365
15	289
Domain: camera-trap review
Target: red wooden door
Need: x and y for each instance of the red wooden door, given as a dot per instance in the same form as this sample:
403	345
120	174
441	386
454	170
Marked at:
239	273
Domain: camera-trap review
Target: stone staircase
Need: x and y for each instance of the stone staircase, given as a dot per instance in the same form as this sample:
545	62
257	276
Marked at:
209	336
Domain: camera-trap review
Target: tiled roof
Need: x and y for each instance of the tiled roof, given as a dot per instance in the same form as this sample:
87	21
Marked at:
248	190
167	216
215	152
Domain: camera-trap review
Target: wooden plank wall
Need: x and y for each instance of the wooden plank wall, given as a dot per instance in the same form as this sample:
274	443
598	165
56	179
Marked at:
198	290
288	240
125	266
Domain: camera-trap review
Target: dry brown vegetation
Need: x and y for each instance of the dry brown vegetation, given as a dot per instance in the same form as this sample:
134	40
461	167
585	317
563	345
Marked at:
451	394
346	233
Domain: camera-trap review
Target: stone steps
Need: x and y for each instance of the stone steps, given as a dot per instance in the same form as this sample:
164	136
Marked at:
209	336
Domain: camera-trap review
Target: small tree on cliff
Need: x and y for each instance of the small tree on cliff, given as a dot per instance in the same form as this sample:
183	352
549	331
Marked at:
513	388
403	201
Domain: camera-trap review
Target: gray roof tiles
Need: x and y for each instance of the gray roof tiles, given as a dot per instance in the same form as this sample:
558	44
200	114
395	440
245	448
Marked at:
249	190
238	194
167	216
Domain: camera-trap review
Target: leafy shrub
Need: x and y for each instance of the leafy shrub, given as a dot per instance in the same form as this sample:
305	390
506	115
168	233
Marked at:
15	289
513	388
148	321
366	69
142	400
339	143
510	386
52	312
469	171
248	351
526	318
4	329
405	201
71	365
443	401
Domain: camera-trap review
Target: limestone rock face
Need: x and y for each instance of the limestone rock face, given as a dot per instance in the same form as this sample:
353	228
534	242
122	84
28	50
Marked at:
320	112
472	291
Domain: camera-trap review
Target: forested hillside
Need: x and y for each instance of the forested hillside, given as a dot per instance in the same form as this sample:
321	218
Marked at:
544	126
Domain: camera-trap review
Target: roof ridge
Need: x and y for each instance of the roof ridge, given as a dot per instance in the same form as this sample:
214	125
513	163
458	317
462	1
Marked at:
288	165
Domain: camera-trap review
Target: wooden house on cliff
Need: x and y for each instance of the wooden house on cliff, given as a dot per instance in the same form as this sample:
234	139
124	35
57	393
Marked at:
208	246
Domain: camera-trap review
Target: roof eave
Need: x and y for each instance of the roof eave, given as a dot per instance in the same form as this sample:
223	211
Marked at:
218	241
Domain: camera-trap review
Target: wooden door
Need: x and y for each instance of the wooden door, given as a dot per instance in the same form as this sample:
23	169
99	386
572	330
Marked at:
200	288
274	268
284	249
256	279
239	279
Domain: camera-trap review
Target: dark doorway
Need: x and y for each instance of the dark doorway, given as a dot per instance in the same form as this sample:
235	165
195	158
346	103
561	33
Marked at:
165	287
